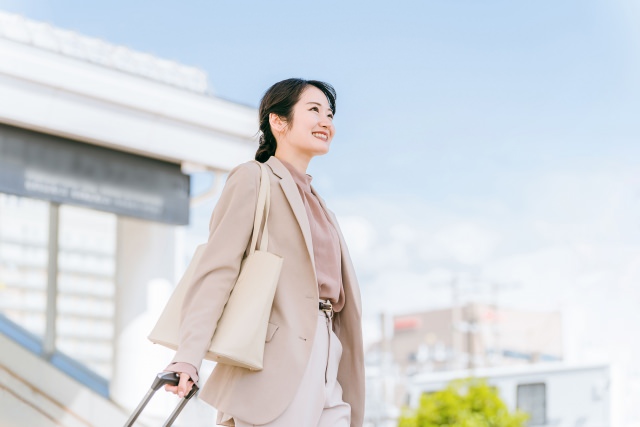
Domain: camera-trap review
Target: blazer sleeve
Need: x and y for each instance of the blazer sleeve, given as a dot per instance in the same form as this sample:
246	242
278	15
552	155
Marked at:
215	275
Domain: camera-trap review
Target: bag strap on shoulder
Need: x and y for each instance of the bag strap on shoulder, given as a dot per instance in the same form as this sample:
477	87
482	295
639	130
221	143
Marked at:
262	212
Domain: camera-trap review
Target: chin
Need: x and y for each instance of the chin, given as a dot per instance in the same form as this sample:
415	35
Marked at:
323	151
319	150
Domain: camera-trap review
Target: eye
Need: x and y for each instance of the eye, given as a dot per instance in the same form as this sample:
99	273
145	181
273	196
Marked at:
330	115
314	109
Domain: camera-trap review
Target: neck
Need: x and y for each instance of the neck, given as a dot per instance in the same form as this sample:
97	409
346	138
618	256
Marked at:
300	163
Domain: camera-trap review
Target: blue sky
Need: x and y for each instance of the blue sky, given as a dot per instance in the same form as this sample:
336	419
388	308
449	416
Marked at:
495	138
512	126
435	98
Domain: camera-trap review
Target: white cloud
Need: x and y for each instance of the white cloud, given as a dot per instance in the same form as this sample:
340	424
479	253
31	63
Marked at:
360	234
466	242
571	243
403	233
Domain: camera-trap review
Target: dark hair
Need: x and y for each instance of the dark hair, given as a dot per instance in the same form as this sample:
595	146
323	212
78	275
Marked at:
280	99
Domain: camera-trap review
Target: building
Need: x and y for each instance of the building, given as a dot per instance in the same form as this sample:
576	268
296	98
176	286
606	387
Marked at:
553	394
99	146
475	335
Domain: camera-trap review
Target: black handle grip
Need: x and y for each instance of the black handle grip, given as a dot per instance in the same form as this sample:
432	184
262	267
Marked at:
161	379
172	378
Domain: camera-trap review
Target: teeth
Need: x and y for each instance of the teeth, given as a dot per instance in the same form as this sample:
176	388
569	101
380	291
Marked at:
320	135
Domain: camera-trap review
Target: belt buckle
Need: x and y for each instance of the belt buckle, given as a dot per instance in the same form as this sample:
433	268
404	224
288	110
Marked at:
327	307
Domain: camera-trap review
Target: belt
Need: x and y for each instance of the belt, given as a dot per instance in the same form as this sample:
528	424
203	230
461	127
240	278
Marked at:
326	307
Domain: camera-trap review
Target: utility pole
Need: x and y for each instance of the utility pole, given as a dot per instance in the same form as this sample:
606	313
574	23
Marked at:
494	320
456	321
471	325
496	287
386	394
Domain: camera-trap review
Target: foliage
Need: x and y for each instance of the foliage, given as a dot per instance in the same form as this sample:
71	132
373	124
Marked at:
464	403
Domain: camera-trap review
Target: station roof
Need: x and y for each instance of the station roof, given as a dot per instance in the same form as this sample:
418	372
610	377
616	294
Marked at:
69	43
63	83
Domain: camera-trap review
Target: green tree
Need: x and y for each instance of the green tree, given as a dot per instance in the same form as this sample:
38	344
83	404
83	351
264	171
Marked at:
464	403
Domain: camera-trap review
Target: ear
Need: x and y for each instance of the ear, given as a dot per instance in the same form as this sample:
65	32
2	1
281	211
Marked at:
278	124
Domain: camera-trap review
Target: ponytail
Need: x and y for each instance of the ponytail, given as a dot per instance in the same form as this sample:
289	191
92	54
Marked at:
268	144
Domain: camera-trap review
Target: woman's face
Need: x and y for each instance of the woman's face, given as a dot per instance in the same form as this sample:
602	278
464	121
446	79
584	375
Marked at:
312	129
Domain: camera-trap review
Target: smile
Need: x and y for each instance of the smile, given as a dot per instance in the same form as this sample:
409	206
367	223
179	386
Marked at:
322	136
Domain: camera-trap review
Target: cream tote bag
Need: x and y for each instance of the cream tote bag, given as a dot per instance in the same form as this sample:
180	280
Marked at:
240	335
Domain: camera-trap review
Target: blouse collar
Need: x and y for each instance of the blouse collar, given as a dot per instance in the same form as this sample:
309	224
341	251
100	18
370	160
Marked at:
302	180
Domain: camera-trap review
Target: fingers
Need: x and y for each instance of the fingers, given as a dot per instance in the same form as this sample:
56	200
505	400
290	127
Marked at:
171	388
184	385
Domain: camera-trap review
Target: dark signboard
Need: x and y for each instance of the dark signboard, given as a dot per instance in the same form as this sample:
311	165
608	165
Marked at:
61	170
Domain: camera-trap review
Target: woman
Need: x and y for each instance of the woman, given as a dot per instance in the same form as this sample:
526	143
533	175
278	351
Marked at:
313	361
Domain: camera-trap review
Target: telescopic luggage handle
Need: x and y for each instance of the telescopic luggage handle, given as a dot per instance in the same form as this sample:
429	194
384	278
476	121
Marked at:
161	379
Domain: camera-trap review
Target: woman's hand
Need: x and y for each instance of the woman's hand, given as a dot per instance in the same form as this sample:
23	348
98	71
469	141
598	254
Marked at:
183	387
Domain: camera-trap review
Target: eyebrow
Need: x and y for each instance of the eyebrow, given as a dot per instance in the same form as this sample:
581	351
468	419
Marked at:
318	104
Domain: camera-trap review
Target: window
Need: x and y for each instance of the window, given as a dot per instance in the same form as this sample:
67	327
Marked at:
532	399
86	287
82	284
24	234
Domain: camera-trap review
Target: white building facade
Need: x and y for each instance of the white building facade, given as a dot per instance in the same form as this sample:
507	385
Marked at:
99	147
554	395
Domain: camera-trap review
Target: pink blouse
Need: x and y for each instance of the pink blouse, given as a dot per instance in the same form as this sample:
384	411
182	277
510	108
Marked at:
326	243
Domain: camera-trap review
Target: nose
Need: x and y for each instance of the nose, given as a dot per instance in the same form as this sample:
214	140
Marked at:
326	123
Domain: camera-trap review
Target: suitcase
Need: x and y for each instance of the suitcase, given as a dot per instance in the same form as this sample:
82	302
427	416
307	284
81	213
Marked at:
161	379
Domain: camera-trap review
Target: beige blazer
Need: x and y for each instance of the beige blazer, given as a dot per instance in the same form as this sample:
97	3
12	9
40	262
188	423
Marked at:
260	397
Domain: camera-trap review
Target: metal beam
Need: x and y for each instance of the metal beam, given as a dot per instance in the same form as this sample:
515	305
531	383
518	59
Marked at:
49	342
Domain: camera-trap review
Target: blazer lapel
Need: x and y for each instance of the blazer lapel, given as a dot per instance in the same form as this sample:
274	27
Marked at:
290	190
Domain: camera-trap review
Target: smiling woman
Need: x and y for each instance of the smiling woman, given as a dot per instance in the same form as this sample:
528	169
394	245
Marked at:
311	132
312	103
316	314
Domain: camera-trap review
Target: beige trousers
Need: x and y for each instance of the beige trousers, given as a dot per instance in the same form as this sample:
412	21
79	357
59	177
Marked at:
318	401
